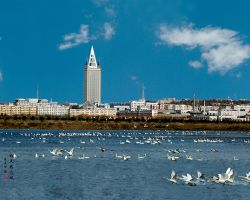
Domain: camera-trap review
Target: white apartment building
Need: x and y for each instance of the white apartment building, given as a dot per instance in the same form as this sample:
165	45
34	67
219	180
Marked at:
152	105
182	107
212	112
11	109
42	107
231	114
122	107
242	107
52	109
93	111
138	105
207	108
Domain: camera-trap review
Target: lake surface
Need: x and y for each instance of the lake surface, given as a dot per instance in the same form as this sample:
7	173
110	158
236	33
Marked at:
103	175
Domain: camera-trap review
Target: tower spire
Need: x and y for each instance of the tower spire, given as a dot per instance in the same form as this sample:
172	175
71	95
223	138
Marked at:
92	59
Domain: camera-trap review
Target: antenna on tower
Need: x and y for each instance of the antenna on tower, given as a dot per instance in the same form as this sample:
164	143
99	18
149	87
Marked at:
194	103
204	106
37	92
143	93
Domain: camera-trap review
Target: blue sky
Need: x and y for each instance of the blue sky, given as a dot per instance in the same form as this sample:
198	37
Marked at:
174	47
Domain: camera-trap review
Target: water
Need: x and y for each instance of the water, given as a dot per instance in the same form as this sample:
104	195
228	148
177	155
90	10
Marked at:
103	176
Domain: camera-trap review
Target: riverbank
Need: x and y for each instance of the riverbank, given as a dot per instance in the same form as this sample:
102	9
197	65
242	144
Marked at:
121	125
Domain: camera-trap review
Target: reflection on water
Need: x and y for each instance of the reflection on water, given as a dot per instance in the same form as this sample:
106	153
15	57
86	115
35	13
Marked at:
121	164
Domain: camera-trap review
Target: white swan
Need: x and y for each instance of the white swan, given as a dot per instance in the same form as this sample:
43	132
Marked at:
123	157
140	157
173	177
200	177
122	142
189	157
224	178
118	157
172	158
71	152
246	178
57	152
236	158
83	157
126	157
127	141
188	179
230	177
139	142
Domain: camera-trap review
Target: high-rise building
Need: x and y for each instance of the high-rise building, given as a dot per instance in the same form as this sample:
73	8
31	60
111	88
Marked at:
92	80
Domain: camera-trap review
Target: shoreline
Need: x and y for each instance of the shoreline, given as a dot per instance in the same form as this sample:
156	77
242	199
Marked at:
121	125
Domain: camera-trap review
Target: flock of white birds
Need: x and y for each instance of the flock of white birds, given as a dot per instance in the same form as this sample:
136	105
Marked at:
139	139
222	178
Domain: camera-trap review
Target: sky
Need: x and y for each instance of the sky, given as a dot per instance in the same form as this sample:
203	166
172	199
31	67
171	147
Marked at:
174	47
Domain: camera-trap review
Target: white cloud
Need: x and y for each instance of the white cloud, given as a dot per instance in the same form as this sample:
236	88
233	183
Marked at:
222	49
110	11
133	78
238	75
74	39
226	57
195	64
100	2
109	31
1	76
82	37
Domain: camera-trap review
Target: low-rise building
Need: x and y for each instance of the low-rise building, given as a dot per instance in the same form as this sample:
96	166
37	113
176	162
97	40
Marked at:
51	109
137	105
138	113
93	111
245	107
120	106
11	110
152	105
182	107
231	114
212	112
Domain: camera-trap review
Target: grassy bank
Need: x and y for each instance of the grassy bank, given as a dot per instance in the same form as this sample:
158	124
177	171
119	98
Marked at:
120	125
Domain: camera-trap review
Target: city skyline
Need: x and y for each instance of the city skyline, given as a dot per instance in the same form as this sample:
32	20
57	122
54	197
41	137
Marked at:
174	48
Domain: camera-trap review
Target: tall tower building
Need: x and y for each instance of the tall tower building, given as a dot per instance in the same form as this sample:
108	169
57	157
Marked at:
92	80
